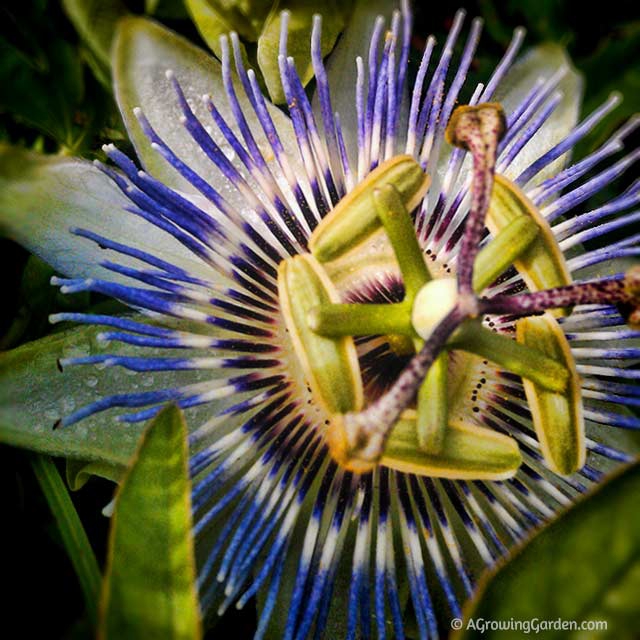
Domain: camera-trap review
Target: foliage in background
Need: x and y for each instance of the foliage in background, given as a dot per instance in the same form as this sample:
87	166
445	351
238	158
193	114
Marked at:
56	97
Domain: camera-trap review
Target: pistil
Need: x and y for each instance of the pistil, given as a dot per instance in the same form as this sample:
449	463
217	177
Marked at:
478	129
624	291
357	440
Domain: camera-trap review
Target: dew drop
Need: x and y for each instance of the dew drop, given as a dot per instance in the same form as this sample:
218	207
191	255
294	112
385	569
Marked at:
76	350
148	381
91	381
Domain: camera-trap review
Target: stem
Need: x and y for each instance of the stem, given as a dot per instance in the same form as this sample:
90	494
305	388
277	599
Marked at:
354	319
477	129
72	532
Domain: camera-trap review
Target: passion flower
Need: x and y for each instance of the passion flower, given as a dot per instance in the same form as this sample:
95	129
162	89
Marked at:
391	314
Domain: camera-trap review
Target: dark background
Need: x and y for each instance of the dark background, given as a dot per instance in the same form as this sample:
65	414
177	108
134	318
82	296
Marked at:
40	82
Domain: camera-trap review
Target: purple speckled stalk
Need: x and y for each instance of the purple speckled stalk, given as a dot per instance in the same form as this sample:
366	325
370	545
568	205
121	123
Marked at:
477	129
593	292
375	423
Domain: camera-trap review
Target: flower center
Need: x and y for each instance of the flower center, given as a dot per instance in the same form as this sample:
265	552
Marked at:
414	426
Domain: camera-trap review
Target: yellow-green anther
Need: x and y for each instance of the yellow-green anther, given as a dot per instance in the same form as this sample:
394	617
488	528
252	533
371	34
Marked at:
468	452
542	264
432	414
355	217
557	417
330	365
502	251
401	345
399	228
355	319
527	361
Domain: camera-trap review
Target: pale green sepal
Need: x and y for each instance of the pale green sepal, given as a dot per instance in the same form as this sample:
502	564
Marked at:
34	395
42	197
330	365
334	14
469	452
542	264
433	410
143	52
557	417
149	589
542	62
354	219
524	360
95	21
510	242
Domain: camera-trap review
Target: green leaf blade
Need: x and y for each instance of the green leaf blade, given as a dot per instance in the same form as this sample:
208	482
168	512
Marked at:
149	588
71	530
579	568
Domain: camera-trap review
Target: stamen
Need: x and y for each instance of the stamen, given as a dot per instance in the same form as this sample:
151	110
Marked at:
355	217
357	440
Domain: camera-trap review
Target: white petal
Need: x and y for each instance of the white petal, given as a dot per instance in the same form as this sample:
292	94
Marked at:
542	62
143	53
42	197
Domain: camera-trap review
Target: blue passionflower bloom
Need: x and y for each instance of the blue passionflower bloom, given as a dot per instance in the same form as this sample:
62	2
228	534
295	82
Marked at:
232	189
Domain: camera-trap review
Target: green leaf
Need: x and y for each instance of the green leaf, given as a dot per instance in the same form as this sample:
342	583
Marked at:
95	21
46	87
611	69
169	9
215	18
71	530
583	566
149	586
334	15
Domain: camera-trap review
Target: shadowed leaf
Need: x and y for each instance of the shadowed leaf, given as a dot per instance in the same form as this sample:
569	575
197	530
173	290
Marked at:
584	566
